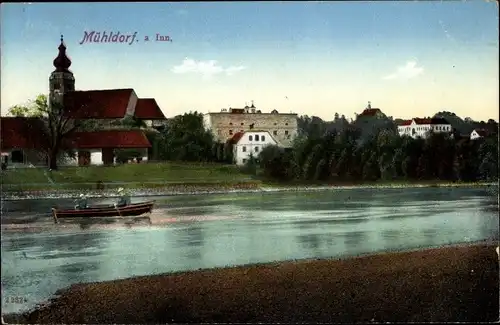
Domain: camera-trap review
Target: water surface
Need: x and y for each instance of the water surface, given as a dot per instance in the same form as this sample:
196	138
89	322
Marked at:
191	232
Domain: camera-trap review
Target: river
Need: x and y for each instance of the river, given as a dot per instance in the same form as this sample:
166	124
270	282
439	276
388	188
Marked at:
192	232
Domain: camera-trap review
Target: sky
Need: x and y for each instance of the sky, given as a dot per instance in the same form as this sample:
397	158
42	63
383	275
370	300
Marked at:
410	59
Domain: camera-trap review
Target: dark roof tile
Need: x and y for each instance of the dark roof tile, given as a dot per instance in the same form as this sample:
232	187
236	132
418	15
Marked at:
110	139
148	109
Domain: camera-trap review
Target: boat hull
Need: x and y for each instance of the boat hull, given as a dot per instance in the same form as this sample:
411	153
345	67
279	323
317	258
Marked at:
108	211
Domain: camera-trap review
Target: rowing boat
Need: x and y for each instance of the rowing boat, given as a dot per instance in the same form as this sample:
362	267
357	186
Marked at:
136	209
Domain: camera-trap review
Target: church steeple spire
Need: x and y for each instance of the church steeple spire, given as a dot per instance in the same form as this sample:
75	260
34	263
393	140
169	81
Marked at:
62	62
61	80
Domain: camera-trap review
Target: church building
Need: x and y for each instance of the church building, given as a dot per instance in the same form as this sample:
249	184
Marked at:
20	137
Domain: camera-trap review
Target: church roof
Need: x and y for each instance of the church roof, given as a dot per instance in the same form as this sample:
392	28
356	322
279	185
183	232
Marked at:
62	62
21	133
98	104
110	139
147	109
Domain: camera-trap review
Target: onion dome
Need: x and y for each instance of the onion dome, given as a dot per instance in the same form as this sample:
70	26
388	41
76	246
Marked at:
62	62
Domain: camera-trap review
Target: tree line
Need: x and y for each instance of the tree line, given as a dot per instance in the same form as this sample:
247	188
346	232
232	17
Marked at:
340	149
387	156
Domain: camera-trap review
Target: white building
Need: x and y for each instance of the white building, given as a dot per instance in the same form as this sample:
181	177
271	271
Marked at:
477	134
421	127
250	143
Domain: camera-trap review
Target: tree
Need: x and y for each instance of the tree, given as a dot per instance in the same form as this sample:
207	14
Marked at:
250	166
185	139
32	110
58	126
275	162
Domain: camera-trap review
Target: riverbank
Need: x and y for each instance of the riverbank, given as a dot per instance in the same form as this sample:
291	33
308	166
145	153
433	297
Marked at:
223	187
458	283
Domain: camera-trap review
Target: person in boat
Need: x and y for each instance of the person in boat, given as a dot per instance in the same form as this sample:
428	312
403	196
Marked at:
81	202
124	199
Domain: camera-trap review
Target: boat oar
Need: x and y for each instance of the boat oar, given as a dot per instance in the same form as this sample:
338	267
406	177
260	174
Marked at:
118	210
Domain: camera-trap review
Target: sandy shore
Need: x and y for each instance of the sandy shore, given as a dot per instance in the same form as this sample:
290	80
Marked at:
244	187
458	283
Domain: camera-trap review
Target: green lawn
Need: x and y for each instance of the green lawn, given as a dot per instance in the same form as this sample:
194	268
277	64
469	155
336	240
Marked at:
129	175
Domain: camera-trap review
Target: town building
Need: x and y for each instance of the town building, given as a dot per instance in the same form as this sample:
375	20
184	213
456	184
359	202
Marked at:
250	143
422	127
371	121
226	123
369	113
478	134
22	138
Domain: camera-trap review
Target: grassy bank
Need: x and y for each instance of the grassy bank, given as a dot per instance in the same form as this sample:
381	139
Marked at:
169	176
449	284
150	175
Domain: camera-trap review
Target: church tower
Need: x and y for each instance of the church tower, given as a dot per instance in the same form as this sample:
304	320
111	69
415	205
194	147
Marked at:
61	80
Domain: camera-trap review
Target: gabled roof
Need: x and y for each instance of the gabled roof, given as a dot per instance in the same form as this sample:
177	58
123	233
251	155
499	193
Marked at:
148	109
481	132
110	139
236	137
22	133
98	104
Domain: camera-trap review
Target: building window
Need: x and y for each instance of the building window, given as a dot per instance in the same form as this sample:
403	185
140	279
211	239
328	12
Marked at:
275	132
286	132
230	132
274	123
242	123
218	132
250	138
263	138
286	123
17	156
256	149
230	123
256	137
244	149
244	160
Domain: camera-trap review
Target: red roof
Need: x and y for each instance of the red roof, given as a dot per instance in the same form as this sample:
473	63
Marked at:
98	104
481	132
22	133
236	137
371	112
147	109
425	121
237	110
434	120
110	139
